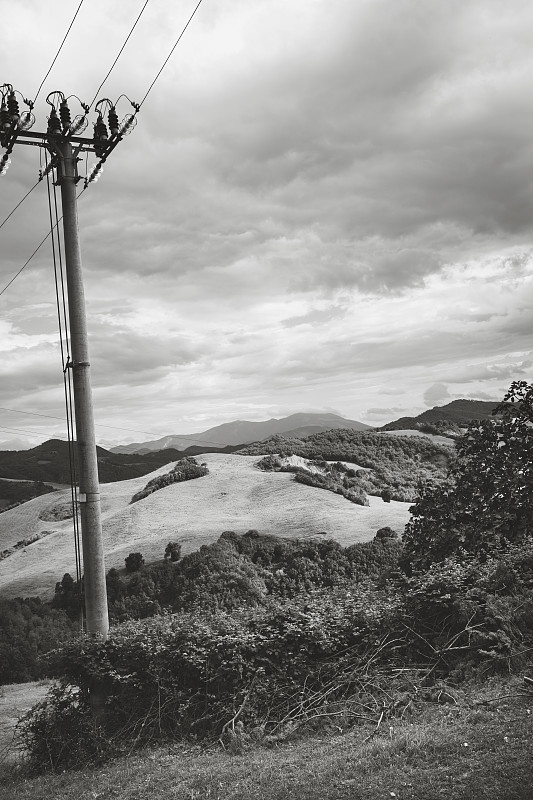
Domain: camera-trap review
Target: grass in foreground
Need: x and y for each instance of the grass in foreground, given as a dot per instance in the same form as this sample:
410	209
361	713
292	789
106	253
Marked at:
481	747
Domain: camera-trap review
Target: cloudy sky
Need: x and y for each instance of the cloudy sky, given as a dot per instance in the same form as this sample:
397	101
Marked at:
325	205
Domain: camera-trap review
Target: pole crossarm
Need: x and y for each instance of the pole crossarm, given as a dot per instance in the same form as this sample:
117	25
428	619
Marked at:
14	127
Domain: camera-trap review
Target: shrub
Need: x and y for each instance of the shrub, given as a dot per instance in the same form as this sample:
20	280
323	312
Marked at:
185	470
134	562
173	551
386	533
190	676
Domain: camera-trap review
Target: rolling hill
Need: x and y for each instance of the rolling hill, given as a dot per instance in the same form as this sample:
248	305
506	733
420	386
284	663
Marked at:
50	462
458	412
235	495
243	432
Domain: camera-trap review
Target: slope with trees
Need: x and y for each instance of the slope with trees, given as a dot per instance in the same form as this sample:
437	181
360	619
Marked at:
51	462
398	465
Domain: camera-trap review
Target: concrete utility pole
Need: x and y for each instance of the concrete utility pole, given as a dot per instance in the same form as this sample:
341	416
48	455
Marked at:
89	490
65	146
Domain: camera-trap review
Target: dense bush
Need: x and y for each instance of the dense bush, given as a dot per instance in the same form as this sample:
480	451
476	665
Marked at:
337	654
185	470
352	492
173	551
134	562
13	493
398	464
246	570
192	676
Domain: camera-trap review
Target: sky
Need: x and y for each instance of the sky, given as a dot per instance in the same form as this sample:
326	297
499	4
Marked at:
326	205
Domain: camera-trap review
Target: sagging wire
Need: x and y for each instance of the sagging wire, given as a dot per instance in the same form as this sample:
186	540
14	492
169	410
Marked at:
120	52
167	59
35	185
58	52
62	316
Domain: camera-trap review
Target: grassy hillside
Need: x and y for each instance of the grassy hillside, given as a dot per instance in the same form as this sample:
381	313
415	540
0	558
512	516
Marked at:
472	750
233	496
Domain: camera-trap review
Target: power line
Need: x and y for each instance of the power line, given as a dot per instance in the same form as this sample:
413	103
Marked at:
19	430
51	416
33	254
33	414
25	265
120	51
169	55
140	104
58	52
62	317
20	203
114	427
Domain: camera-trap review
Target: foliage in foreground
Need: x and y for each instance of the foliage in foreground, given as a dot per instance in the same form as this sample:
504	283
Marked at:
439	751
198	676
486	502
331	656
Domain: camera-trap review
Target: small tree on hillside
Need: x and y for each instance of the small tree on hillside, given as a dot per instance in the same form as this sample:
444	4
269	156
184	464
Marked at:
173	551
386	533
134	562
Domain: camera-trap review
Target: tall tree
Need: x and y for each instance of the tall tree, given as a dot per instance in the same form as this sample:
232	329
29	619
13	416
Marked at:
487	500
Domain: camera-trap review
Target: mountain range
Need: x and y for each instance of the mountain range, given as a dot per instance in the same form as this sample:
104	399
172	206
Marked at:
297	426
244	432
49	461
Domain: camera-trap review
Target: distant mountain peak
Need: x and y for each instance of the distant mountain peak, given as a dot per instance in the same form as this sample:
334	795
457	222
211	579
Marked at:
240	432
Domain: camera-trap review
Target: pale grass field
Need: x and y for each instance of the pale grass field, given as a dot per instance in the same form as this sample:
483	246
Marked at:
234	496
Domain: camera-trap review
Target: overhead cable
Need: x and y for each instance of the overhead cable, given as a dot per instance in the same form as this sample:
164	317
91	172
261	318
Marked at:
58	52
192	438
65	361
167	59
20	203
119	52
32	255
22	430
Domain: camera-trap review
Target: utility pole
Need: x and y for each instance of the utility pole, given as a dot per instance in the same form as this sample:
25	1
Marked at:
62	141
